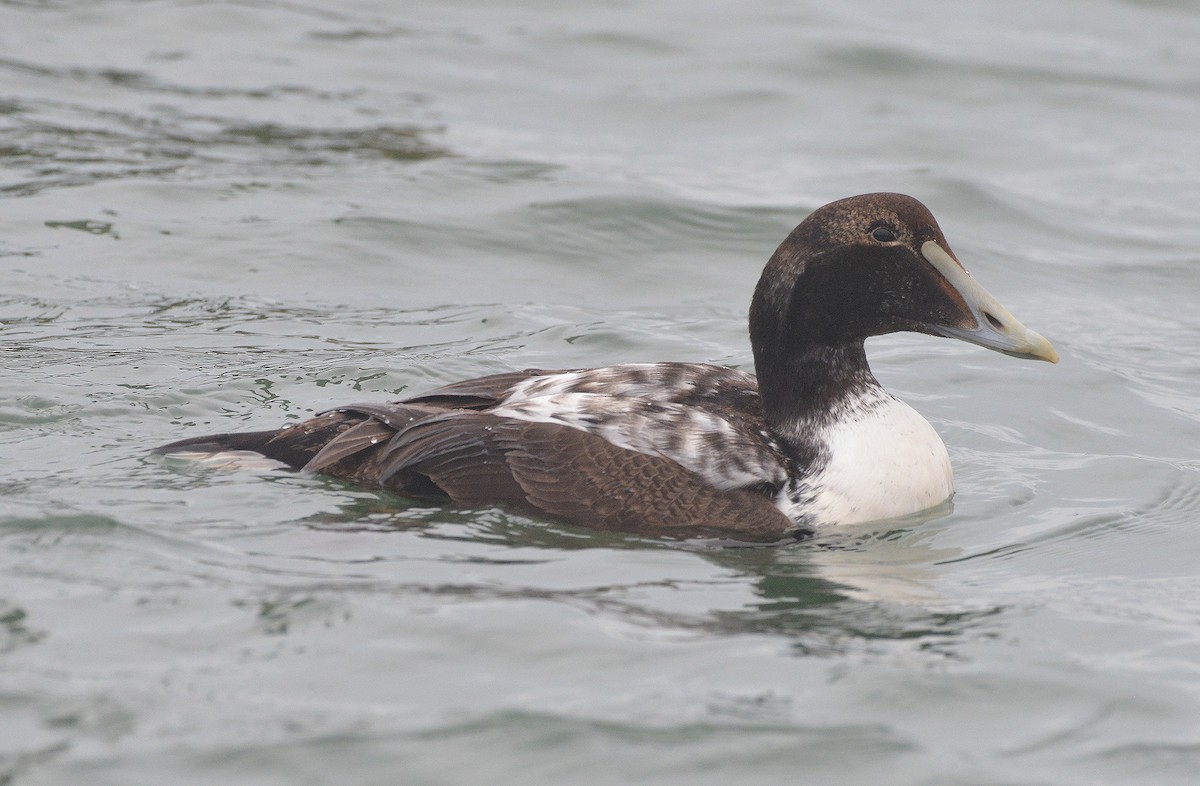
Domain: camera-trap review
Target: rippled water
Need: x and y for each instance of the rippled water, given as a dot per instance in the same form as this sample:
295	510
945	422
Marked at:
222	215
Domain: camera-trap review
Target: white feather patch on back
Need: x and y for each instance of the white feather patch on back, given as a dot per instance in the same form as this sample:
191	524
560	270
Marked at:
652	381
634	413
685	435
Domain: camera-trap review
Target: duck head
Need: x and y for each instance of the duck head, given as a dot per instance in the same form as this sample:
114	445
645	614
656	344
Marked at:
866	266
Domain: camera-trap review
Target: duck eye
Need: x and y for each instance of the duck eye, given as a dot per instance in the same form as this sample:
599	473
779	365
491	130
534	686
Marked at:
883	234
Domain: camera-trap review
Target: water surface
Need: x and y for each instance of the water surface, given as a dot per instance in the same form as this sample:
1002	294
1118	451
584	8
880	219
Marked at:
226	215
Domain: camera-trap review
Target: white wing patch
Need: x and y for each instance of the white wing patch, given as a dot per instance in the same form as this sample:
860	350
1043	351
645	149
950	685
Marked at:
635	413
650	381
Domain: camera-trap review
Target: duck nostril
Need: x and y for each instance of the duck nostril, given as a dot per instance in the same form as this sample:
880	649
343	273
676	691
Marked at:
995	323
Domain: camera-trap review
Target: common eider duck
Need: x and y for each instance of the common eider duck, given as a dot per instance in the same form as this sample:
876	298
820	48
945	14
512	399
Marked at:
689	448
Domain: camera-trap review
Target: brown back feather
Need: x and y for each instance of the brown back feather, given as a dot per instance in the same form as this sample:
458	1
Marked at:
587	480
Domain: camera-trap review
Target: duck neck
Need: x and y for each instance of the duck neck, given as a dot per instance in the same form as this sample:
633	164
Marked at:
808	340
805	387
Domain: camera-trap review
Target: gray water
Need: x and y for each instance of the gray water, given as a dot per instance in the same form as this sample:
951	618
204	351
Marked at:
226	215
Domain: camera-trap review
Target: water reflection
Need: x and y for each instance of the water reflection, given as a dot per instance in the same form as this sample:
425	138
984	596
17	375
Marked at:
855	588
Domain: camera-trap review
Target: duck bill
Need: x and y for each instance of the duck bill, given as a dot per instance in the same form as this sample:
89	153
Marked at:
994	328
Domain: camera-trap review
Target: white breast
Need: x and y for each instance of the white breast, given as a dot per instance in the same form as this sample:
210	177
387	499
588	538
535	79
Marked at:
884	461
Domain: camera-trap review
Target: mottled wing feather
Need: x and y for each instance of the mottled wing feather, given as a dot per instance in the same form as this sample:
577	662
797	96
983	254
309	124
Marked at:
475	458
459	436
362	436
462	454
588	480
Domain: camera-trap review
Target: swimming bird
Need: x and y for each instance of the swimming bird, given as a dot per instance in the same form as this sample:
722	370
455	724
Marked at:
690	448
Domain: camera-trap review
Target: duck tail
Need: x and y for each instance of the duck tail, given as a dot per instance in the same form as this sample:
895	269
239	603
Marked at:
264	443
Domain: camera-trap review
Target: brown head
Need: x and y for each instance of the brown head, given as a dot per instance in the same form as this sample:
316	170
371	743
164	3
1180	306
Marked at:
866	266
